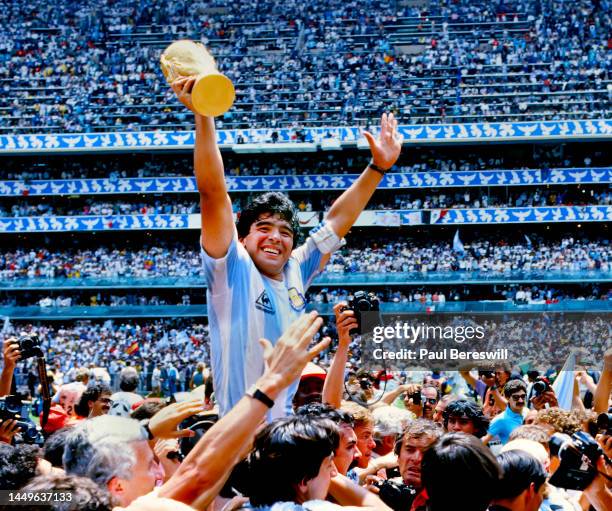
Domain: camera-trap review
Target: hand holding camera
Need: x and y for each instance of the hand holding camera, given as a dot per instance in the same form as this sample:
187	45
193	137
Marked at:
11	352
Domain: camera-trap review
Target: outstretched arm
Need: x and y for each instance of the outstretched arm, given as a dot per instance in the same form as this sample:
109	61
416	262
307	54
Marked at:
204	471
215	204
385	152
601	397
334	381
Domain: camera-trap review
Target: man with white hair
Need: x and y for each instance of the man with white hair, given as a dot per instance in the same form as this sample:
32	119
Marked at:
389	424
114	453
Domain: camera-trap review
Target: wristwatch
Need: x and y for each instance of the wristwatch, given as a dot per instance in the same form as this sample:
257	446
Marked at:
255	393
144	424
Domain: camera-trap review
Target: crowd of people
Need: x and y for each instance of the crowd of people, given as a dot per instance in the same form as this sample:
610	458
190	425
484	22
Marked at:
359	437
489	256
464	199
349	162
320	63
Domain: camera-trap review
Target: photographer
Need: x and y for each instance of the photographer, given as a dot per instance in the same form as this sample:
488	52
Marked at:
11	355
334	382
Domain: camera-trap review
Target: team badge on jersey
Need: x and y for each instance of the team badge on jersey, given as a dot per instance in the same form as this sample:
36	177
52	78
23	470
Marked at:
263	303
296	299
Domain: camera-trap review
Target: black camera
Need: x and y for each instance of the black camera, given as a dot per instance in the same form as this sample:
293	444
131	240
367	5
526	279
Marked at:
578	454
397	496
13	408
604	423
366	307
29	346
540	386
416	397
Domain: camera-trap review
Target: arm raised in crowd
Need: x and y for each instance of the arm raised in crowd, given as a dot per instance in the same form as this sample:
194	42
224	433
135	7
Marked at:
385	152
334	381
11	355
204	471
601	397
215	203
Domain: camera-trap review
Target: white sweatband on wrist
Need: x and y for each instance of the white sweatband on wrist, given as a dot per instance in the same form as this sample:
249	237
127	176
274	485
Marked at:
326	239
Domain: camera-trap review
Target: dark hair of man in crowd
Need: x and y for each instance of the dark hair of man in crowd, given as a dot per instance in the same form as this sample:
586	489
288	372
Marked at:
286	452
17	464
520	469
513	386
128	380
419	428
85	495
325	411
147	410
91	393
469	409
274	203
460	472
54	446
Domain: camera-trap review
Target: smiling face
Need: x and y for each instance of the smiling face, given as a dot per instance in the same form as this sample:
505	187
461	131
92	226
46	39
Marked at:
269	243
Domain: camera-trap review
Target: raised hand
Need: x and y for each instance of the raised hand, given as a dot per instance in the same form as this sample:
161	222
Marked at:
182	88
387	147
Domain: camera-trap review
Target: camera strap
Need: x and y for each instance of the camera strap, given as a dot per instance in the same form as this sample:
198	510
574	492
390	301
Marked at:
44	390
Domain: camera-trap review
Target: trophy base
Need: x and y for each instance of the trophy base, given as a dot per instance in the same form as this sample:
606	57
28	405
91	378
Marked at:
213	95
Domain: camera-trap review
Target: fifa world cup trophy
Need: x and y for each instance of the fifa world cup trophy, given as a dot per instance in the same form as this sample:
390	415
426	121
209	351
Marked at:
213	93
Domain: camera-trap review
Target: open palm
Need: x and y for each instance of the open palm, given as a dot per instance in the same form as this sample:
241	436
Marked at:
387	147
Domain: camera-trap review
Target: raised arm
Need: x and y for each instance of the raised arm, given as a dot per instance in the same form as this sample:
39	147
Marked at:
334	381
199	477
385	152
601	396
215	205
11	355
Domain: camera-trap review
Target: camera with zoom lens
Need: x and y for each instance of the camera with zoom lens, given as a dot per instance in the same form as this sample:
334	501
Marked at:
29	346
578	454
396	495
540	386
366	307
13	408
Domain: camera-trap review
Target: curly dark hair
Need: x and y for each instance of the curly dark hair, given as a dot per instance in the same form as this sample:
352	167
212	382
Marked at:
273	203
325	411
470	410
18	464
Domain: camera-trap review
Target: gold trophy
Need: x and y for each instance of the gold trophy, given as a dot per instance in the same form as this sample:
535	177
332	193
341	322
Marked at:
213	94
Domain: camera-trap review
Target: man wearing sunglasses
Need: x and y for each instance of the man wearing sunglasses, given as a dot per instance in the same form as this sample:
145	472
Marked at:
430	395
515	391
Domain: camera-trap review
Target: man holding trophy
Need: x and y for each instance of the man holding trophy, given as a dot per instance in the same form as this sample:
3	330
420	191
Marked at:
256	274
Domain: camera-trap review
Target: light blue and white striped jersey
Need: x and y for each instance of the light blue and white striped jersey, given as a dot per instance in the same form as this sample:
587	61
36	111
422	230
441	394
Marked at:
244	306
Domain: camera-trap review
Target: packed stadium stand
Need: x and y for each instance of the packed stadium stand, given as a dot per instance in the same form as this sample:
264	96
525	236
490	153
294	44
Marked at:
320	63
500	201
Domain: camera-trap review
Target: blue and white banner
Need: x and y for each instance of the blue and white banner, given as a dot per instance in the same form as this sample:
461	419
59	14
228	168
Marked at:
522	215
308	182
161	140
387	218
94	223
